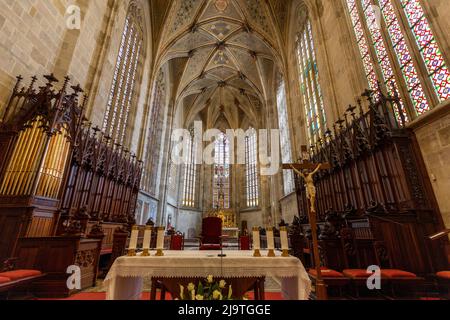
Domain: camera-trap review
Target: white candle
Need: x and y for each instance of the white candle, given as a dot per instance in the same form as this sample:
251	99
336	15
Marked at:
134	238
256	239
270	239
284	239
147	238
160	241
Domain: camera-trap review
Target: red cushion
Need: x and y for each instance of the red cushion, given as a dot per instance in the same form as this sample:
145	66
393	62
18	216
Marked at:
444	275
20	274
106	251
4	280
395	273
357	273
326	273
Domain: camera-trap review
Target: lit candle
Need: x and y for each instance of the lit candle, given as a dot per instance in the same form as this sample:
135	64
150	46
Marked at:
133	239
256	239
147	238
284	241
270	239
160	241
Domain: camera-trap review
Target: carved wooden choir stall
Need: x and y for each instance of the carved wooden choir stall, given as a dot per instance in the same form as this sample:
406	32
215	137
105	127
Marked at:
60	179
378	187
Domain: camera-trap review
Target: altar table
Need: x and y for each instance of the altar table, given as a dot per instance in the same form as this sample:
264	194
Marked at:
125	278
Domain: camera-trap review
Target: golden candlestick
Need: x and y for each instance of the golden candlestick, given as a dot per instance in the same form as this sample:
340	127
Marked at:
271	253
159	253
131	252
146	253
285	253
257	253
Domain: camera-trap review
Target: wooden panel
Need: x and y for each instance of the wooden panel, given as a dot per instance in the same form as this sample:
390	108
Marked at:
53	256
13	224
40	226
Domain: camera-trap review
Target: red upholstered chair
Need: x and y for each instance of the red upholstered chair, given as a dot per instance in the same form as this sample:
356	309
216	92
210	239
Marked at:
177	242
332	260
443	278
211	236
391	278
11	279
244	243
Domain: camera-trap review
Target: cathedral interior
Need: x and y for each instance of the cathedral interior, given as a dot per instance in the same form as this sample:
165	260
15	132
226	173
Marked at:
91	93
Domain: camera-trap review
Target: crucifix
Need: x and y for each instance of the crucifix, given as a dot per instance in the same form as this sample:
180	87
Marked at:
307	170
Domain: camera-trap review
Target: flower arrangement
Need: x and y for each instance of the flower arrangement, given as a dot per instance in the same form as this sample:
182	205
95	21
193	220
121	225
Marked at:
209	290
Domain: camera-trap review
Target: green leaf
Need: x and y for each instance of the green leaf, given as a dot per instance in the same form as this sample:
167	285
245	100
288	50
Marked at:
200	289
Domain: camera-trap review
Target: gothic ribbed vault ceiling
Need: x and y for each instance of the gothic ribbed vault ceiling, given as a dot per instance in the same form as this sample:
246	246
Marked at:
224	58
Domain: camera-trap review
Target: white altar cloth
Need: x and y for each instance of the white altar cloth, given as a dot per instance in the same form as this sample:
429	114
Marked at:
125	278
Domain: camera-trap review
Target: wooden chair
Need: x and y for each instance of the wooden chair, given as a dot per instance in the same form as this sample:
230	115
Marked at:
391	278
11	280
332	261
211	236
177	242
244	243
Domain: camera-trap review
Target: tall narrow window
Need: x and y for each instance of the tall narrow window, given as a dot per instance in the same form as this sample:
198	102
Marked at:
251	170
221	180
190	174
122	91
285	140
400	21
310	87
431	54
154	136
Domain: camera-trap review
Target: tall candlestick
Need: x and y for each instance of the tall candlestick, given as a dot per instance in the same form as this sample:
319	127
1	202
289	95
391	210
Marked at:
133	241
256	242
160	242
284	241
270	242
147	241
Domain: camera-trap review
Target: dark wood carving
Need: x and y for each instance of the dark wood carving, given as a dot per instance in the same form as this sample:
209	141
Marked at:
57	173
377	174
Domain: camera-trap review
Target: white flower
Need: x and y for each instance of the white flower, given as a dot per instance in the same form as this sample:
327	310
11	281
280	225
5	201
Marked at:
217	295
210	279
191	287
222	284
198	297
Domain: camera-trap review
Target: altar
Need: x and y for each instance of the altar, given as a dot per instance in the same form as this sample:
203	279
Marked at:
232	233
126	276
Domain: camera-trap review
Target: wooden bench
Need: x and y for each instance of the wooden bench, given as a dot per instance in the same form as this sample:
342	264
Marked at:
11	280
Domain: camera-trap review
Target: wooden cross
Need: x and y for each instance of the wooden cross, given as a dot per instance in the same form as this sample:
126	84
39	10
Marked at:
307	170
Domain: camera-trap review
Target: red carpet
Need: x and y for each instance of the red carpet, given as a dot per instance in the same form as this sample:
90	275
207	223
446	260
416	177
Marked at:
99	296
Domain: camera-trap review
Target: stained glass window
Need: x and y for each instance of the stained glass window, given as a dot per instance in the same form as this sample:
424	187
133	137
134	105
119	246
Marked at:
404	57
154	135
120	99
362	44
190	174
310	87
251	169
389	38
221	175
438	71
285	140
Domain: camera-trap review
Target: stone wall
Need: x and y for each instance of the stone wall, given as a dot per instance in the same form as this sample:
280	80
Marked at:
434	140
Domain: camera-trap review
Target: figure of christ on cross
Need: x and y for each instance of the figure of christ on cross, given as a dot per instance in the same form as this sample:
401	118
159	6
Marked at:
307	170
